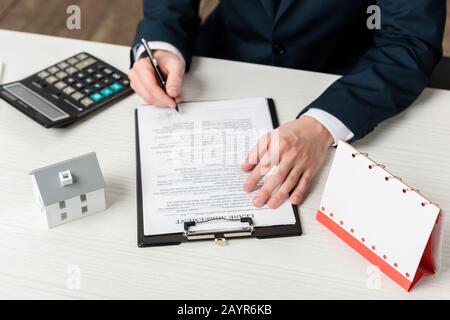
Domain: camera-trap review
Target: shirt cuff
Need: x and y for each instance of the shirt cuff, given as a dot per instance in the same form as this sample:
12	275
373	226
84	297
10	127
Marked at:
337	129
157	45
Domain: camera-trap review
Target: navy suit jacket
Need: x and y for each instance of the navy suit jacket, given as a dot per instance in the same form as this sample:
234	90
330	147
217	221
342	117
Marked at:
383	70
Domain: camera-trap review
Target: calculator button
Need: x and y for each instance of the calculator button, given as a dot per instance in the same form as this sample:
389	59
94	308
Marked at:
82	56
56	96
85	63
60	85
73	61
43	74
82	65
86	102
96	97
98	75
116	76
106	92
51	79
106	80
77	95
116	86
88	80
53	69
61	75
78	85
87	91
63	65
69	90
107	71
100	66
36	84
80	75
90	70
90	61
70	80
125	82
97	86
71	70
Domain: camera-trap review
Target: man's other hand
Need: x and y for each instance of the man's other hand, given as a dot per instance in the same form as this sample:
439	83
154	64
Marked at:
297	149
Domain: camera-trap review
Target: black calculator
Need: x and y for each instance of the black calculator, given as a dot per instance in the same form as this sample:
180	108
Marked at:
67	91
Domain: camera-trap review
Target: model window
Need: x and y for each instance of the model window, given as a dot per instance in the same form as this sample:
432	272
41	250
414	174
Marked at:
83	198
84	209
62	204
64	216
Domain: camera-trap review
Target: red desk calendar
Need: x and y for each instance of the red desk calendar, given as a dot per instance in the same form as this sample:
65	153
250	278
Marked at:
386	221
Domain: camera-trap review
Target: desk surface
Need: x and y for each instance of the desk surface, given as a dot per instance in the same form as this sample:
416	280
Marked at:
39	263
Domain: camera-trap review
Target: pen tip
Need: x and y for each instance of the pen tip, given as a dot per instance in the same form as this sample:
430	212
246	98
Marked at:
176	108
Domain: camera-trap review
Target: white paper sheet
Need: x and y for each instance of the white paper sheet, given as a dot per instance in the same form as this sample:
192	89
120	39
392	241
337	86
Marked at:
190	165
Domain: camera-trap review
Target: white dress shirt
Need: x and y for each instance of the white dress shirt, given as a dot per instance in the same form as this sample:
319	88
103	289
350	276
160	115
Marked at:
337	129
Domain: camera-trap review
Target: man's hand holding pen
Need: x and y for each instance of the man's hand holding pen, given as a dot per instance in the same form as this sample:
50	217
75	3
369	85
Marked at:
145	83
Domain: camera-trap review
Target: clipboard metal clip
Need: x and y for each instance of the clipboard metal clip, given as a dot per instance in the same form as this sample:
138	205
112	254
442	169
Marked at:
219	235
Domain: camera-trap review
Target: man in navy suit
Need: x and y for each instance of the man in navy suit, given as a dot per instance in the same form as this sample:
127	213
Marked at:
384	70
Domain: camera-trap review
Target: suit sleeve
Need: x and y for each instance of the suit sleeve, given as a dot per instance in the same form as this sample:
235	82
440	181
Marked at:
391	74
173	21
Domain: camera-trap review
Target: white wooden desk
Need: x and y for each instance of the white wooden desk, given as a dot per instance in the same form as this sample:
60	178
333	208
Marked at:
34	261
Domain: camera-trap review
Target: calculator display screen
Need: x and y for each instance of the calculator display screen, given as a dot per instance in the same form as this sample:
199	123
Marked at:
36	102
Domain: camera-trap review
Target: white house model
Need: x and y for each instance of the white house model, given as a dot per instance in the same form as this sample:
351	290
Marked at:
70	189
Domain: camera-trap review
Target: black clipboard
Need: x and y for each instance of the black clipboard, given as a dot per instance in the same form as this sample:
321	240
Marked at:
248	230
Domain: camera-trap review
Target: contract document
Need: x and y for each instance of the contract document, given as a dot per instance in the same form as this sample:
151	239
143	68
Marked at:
190	165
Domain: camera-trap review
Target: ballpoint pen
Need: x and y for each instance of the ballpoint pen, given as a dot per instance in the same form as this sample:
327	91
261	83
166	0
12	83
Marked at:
154	62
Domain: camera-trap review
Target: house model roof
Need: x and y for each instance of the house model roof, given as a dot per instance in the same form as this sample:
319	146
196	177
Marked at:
86	173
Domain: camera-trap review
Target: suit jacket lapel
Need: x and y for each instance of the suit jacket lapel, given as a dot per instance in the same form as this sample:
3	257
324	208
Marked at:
269	6
284	5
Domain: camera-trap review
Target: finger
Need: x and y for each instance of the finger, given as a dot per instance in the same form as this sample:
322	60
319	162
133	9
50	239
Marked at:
137	87
275	180
174	70
256	153
146	76
261	169
282	193
302	187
